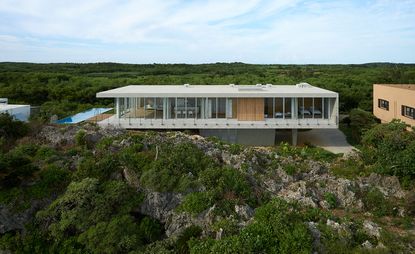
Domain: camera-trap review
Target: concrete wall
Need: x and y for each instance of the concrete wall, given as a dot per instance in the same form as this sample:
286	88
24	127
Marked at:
397	96
259	137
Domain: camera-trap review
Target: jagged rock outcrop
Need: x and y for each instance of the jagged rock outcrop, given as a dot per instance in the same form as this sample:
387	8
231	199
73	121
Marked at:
8	221
11	221
388	185
65	135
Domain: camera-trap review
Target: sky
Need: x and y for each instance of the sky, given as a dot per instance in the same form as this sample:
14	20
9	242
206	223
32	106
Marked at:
208	31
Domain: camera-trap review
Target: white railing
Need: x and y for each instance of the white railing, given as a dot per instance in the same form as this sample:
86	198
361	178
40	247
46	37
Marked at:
219	123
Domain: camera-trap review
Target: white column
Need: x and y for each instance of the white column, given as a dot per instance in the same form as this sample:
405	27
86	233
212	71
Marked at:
117	107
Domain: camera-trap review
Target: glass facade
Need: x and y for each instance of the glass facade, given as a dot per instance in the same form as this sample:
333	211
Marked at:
223	108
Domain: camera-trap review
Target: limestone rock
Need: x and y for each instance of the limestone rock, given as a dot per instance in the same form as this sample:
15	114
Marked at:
367	245
371	228
244	211
159	205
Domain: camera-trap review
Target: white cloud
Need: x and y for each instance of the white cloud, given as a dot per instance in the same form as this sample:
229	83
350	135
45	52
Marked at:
290	31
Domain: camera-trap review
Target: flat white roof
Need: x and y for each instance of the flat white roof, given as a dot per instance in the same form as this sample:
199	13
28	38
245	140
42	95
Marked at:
4	107
299	90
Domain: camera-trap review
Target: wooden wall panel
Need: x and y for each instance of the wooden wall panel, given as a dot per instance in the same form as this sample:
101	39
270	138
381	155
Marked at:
259	108
250	109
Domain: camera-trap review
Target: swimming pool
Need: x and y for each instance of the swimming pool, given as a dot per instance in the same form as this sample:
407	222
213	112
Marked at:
80	117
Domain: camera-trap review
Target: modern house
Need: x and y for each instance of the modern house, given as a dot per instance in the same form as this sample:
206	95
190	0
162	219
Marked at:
235	113
18	112
394	101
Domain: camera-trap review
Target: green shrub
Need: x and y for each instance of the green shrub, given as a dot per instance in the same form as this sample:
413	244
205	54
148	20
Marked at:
376	202
390	148
350	168
196	202
331	199
235	148
176	168
80	138
11	129
86	203
290	169
101	167
229	227
150	229
182	246
270	232
360	121
51	179
228	187
119	235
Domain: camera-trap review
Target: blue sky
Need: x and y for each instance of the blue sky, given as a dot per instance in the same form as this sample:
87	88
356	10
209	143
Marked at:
197	31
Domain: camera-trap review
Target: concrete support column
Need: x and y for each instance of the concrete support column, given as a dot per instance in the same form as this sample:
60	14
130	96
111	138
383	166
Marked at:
294	134
117	107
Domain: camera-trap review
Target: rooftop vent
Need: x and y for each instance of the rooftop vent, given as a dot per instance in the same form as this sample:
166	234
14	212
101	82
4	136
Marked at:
268	85
303	85
232	85
4	101
186	85
250	88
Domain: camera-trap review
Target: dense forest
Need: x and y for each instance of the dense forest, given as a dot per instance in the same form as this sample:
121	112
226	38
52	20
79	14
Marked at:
63	89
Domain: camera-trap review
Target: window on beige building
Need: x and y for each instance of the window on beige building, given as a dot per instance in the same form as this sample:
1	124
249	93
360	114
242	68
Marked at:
384	104
408	112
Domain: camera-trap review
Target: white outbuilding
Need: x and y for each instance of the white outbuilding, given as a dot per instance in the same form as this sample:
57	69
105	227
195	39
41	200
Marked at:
18	112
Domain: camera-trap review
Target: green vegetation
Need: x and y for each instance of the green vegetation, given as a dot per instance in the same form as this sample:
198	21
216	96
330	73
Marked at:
63	89
356	124
376	202
84	196
10	130
331	199
271	232
391	148
93	209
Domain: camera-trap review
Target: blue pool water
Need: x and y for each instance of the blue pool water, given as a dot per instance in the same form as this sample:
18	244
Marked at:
80	117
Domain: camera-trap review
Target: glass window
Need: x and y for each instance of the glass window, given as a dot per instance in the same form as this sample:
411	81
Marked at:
326	108
181	108
308	107
316	110
279	108
139	109
221	107
191	108
268	107
121	106
211	108
171	108
233	107
383	104
287	108
200	108
159	108
408	112
150	111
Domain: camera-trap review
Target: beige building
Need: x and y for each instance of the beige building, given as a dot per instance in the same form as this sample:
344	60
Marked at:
394	101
